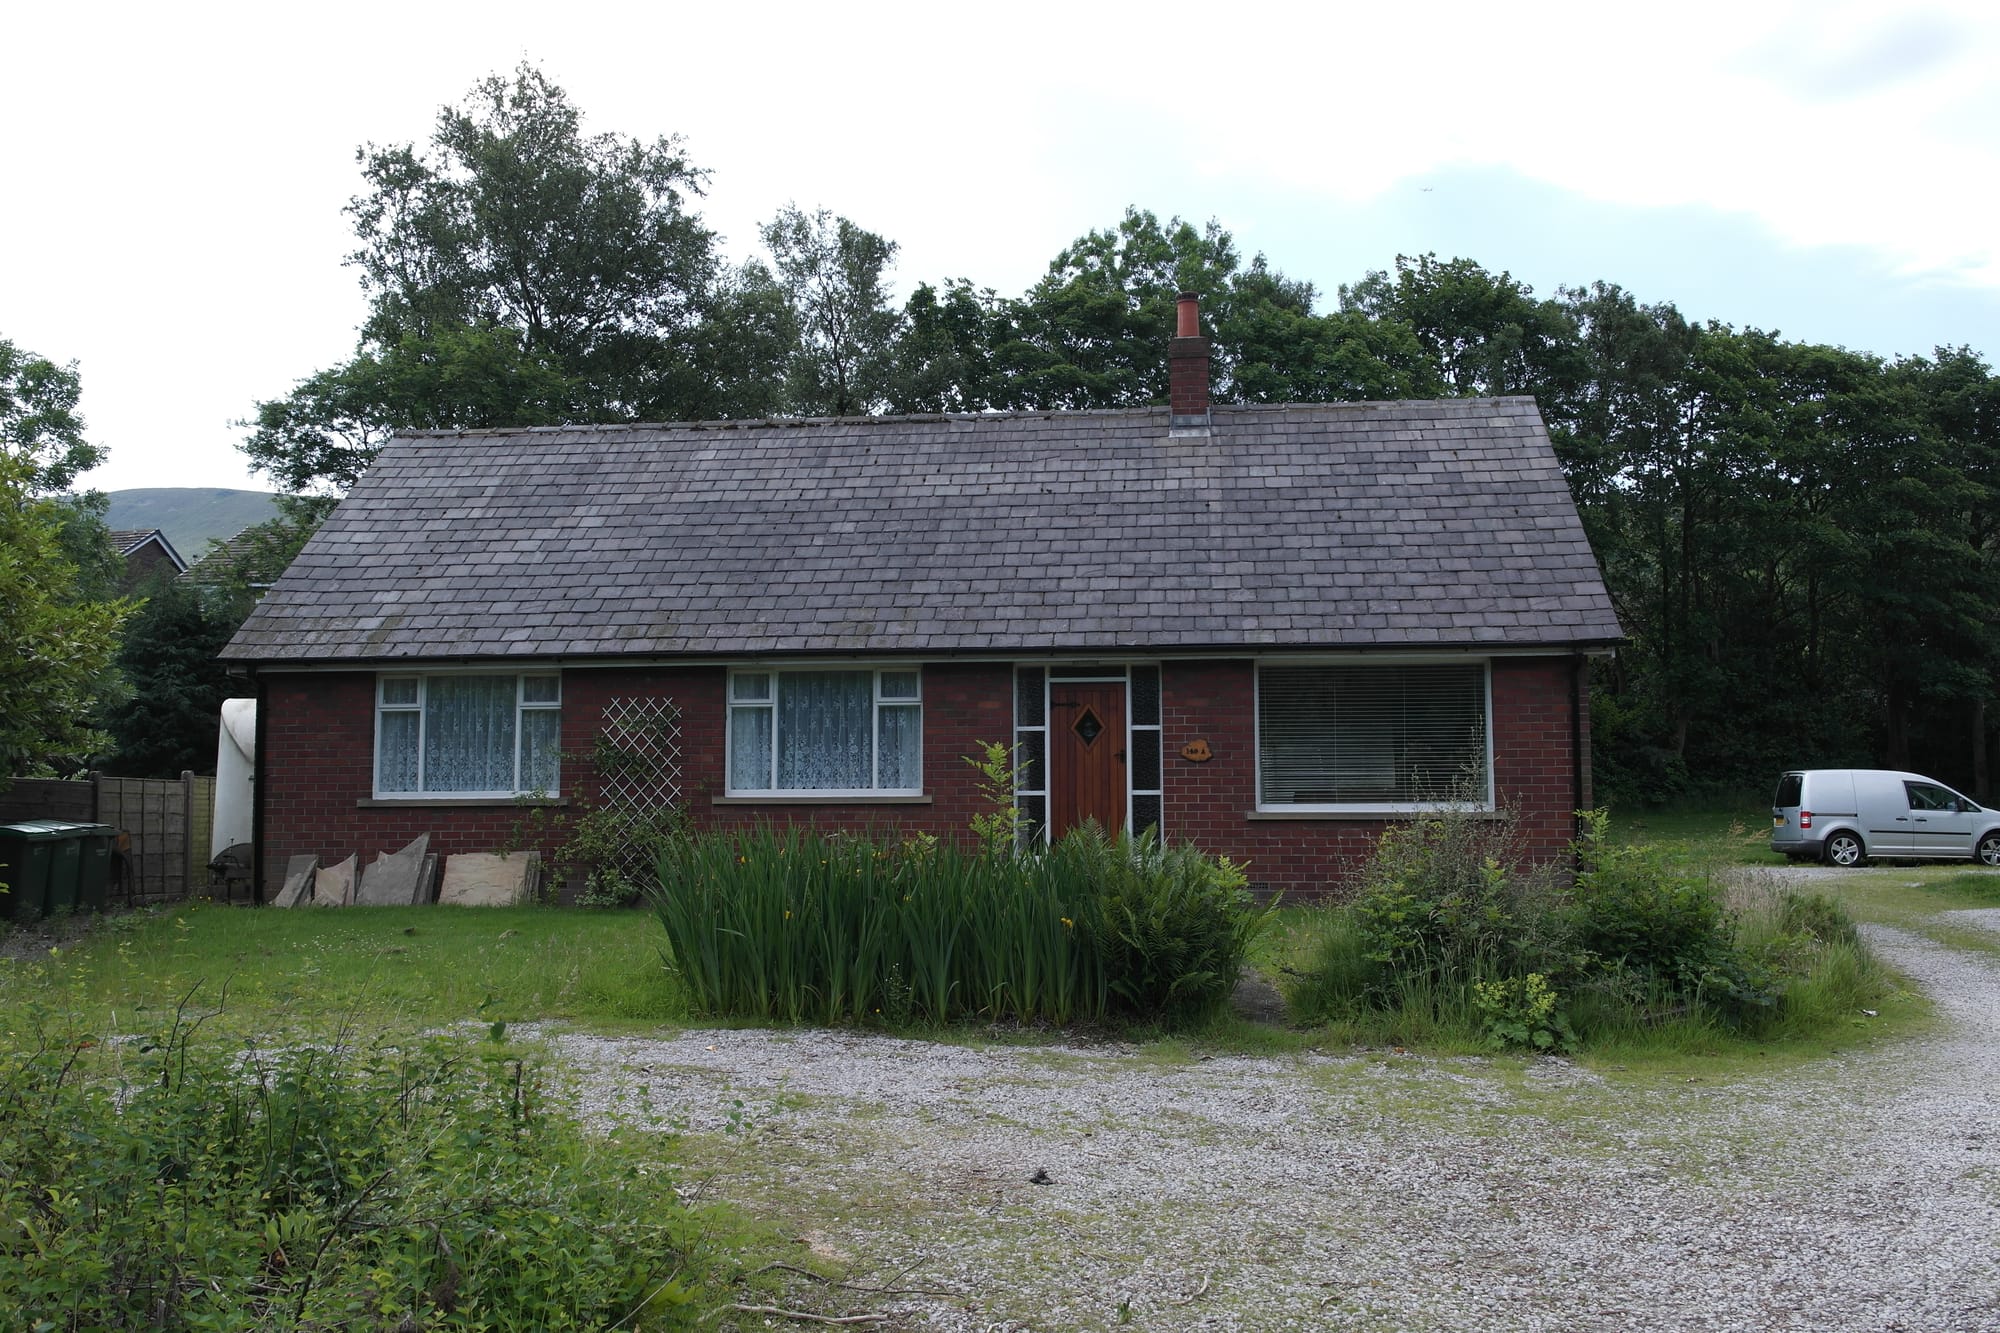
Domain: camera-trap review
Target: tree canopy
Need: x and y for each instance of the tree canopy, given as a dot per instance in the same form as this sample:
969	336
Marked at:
832	273
519	273
167	724
54	648
39	424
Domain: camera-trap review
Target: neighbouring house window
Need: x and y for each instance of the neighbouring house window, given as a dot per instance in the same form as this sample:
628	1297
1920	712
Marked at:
828	732
1375	736
484	735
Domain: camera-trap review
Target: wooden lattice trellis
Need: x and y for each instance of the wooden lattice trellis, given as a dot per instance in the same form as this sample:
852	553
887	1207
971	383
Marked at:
639	757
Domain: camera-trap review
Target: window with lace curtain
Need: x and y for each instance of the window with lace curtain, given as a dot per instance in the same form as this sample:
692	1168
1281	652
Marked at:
477	735
830	733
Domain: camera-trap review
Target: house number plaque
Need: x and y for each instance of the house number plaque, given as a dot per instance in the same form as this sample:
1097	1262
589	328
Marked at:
1197	752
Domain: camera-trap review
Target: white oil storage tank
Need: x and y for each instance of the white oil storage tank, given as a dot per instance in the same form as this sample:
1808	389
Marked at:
235	775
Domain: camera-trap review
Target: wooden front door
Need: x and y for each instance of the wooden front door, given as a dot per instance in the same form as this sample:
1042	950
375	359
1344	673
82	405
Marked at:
1086	755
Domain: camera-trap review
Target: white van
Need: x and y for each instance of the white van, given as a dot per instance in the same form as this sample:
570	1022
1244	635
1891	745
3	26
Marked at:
1843	816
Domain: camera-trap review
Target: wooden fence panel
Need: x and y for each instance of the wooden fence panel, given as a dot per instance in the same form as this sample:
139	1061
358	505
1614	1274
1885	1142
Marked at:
165	823
201	826
154	814
41	798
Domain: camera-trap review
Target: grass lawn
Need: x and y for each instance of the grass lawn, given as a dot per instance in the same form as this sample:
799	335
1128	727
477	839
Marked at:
1735	835
402	969
376	969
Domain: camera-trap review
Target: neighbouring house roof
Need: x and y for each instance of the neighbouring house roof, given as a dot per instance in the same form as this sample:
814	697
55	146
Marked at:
1407	525
241	556
130	542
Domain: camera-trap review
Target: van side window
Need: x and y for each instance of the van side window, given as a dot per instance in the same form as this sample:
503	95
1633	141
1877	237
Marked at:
1923	796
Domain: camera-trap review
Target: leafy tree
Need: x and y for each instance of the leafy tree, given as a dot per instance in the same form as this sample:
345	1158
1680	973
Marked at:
39	424
581	246
1959	400
54	649
522	273
325	433
1281	352
945	360
831	273
738	357
1486	332
168	656
1093	333
1915	515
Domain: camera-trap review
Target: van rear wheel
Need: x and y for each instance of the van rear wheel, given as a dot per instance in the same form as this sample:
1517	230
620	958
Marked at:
1989	850
1845	849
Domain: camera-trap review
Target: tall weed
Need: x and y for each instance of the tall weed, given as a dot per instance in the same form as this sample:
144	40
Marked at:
178	1183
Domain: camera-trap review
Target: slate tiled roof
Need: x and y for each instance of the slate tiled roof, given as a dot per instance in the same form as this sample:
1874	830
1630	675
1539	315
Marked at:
226	561
128	541
1364	525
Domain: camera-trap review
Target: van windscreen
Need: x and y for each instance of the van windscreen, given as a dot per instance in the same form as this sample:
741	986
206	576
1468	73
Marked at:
1788	791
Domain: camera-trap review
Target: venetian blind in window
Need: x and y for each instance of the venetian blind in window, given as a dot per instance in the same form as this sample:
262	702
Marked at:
1368	735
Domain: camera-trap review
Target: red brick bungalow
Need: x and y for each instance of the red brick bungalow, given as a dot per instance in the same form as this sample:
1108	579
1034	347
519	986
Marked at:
1268	630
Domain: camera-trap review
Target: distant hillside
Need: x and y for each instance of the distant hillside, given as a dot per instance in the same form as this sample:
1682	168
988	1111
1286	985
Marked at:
191	515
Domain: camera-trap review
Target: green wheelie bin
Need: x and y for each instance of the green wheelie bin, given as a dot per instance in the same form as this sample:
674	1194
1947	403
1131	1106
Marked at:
65	863
27	850
93	871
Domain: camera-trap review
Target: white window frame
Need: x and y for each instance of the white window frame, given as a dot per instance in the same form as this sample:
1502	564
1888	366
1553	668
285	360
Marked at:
1486	800
522	705
769	704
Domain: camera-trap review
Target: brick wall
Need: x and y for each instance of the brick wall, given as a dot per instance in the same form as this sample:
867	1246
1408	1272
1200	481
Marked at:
1212	803
317	768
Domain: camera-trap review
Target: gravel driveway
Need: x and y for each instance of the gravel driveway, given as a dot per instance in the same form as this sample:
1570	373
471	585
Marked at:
1359	1189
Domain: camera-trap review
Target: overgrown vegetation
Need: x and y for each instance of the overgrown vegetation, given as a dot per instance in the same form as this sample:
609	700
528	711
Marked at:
178	1182
796	925
1450	941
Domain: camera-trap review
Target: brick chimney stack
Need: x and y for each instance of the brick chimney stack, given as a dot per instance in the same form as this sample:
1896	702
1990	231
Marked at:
1187	369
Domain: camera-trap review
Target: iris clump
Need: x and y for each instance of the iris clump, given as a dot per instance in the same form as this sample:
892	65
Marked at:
798	926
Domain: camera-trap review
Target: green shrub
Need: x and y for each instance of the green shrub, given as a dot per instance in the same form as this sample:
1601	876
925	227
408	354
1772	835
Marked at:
616	850
1448	938
1438	908
179	1184
1171	926
1658	927
1442	895
1817	916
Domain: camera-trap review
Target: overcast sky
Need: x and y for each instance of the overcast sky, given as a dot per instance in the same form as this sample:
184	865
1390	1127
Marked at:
174	175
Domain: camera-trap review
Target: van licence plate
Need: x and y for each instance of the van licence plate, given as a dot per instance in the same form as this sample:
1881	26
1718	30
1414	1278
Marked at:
1777	821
